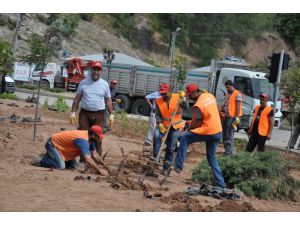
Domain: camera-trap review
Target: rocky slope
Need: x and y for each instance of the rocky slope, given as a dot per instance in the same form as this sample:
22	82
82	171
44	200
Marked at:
92	37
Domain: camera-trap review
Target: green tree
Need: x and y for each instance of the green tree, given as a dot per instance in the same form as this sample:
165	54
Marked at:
290	86
37	50
180	65
288	25
125	26
6	58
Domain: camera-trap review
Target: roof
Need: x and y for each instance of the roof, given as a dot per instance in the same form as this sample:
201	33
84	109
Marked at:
119	58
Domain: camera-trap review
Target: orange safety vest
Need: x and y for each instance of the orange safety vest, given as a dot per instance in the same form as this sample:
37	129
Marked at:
263	123
167	112
211	122
232	103
63	142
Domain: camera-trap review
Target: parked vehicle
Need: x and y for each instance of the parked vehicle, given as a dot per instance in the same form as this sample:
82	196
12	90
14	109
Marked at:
7	84
250	83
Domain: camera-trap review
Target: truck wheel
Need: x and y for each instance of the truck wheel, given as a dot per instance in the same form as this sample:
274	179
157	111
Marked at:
125	103
45	85
141	107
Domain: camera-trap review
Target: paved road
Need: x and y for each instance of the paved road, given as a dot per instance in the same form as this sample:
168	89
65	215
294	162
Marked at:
279	139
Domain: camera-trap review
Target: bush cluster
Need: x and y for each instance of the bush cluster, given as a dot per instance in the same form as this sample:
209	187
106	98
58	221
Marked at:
263	175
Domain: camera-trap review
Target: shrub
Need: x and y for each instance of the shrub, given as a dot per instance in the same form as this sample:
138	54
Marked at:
57	90
264	175
28	86
123	116
46	104
10	96
60	105
87	16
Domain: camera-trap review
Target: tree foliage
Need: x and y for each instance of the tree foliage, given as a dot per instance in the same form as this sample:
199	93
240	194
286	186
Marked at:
37	51
125	26
290	86
288	25
180	65
264	175
6	58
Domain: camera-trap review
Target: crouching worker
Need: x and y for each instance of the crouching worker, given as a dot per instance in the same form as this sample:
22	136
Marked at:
63	148
205	127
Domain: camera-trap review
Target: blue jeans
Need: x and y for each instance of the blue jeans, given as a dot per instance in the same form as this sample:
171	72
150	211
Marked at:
170	142
52	159
211	146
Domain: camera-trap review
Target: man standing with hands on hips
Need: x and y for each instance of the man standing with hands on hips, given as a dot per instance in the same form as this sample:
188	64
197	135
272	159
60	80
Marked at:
93	93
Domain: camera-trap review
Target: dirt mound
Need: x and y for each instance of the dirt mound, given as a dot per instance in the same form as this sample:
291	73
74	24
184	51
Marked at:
142	167
232	206
185	203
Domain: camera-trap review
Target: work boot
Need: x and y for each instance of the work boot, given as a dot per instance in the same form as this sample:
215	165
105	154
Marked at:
177	169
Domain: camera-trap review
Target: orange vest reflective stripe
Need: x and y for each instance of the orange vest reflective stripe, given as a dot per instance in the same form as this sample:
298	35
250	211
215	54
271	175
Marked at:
263	123
211	122
167	112
232	103
63	142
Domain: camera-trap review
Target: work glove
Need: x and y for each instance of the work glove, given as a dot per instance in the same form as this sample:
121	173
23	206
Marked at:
73	118
181	94
235	123
162	128
118	101
110	120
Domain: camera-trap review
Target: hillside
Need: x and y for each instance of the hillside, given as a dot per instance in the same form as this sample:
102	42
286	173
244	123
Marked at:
148	40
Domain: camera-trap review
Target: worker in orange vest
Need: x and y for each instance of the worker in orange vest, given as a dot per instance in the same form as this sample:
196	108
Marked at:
166	105
205	126
232	109
63	148
261	126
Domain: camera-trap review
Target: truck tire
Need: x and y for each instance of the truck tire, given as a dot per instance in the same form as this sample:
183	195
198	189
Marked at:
125	103
45	85
141	107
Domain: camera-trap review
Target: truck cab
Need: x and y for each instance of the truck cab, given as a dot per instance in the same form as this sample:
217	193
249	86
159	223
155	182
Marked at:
251	84
51	77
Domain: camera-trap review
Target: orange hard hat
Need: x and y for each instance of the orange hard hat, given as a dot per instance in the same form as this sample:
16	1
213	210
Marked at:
164	88
190	88
97	64
96	129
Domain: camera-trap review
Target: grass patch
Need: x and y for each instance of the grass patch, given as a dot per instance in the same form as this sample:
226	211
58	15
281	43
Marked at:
264	175
59	105
127	127
7	95
57	90
28	86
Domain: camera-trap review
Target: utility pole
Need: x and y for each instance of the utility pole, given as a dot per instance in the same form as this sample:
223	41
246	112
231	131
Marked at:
109	56
171	57
14	43
277	84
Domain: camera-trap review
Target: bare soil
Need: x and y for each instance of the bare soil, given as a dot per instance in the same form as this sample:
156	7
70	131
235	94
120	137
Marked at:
133	184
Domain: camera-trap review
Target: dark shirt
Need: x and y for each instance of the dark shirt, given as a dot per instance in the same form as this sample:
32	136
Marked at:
113	92
255	124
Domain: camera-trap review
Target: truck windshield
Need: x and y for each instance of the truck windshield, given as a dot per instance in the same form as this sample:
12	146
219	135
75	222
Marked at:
262	86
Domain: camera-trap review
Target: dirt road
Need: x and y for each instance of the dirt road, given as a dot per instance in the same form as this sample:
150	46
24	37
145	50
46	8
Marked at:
24	187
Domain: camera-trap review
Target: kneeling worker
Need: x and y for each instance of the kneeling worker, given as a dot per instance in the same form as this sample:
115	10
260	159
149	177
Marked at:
206	126
63	147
